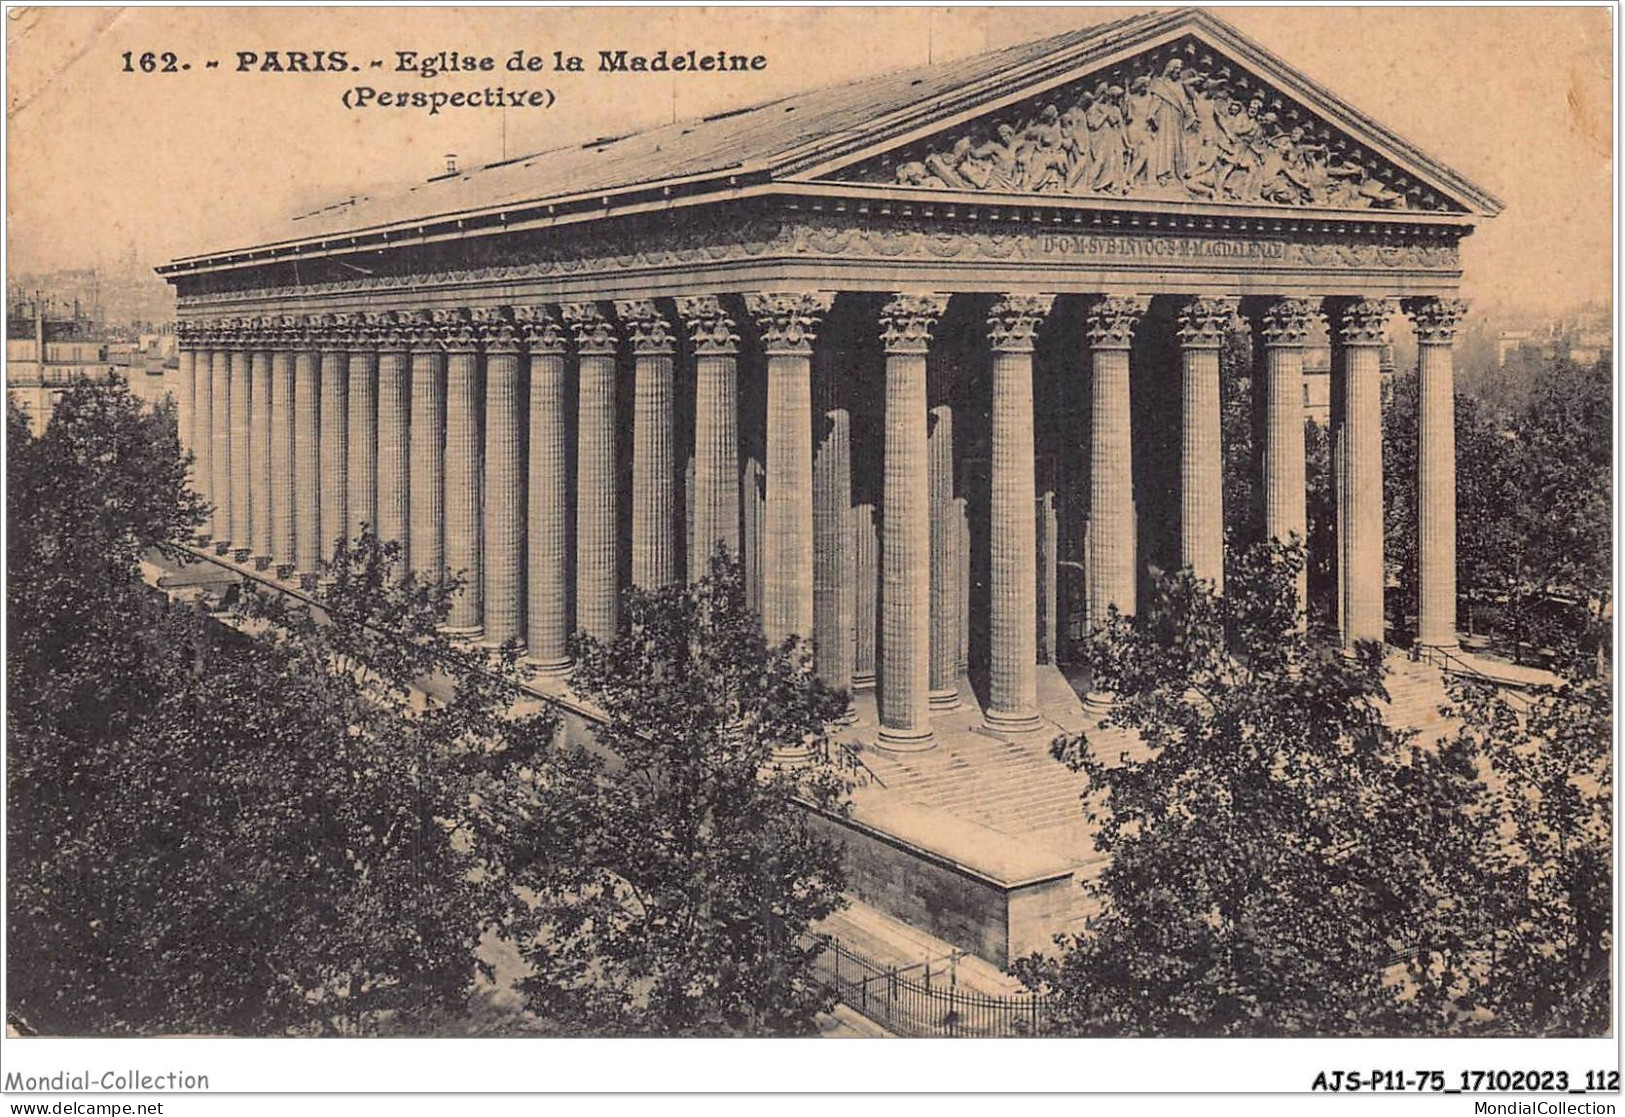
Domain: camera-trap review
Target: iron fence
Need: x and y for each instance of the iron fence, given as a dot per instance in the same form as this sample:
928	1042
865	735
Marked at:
924	999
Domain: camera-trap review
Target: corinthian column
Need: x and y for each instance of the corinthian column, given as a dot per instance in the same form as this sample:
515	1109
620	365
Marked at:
201	437
1361	332
426	509
285	338
1203	324
185	388
307	450
462	474
944	687
834	563
395	426
259	440
905	654
1436	321
866	560
1283	324
504	558
1013	676
716	432
1111	457
242	442
547	584
361	492
596	587
788	322
220	429
335	433
654	558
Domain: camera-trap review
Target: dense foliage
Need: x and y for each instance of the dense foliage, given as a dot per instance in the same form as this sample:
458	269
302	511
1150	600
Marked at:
1283	862
313	819
674	875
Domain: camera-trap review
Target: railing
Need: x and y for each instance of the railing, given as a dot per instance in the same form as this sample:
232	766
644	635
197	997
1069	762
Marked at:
1446	660
924	999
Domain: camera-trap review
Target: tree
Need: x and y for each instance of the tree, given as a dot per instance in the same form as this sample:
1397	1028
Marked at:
1274	846
251	829
1552	945
674	869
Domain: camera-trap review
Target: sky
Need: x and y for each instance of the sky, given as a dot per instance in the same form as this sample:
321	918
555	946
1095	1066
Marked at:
101	163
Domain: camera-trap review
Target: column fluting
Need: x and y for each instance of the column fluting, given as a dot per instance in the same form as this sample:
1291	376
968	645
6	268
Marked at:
547	582
335	432
394	508
834	565
504	558
1436	321
462	508
944	688
1361	330
220	429
905	654
1283	325
242	442
866	606
1203	325
361	439
654	508
282	445
201	436
715	522
596	569
259	441
788	322
426	511
1111	573
1013	539
307	450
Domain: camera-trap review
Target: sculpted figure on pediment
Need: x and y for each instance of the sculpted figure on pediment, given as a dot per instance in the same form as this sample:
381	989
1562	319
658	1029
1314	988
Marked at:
1164	128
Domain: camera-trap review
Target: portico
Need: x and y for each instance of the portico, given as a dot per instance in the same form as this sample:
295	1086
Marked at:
917	371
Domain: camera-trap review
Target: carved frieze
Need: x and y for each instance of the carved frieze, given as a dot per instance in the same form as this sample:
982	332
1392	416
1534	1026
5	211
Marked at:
1179	123
903	240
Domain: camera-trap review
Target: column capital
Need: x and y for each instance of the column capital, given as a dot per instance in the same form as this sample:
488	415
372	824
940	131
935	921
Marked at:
237	333
594	332
1435	319
496	330
1013	322
907	320
540	329
189	335
286	332
331	332
651	334
1205	320
1286	321
789	320
392	331
1113	318
1361	321
455	328
417	329
709	324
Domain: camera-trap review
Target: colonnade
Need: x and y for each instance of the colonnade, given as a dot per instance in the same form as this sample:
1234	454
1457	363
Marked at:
450	431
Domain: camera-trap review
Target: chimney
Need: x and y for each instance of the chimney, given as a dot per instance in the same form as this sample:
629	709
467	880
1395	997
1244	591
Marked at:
451	162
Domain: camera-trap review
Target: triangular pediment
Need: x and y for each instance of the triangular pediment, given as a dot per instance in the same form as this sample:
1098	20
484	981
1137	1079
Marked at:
1198	114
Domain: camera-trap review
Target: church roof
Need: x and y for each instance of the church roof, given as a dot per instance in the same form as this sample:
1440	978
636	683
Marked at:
801	139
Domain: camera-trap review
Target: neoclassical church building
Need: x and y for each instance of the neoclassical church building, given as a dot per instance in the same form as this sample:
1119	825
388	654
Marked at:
937	353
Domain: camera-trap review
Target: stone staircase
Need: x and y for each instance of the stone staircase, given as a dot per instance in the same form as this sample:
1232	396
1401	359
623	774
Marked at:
1014	787
1416	692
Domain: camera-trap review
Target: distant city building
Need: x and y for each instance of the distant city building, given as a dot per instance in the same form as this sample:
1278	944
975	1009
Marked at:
1583	337
52	341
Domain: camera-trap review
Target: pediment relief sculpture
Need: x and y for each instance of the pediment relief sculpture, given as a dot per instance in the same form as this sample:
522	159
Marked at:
1178	124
